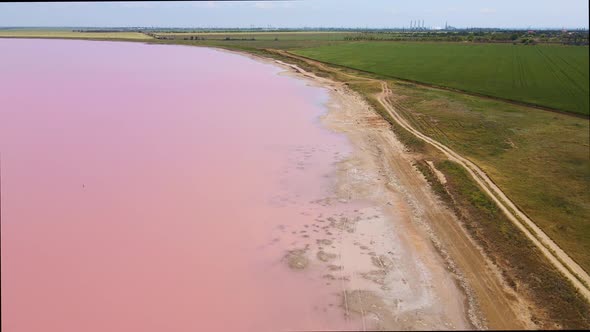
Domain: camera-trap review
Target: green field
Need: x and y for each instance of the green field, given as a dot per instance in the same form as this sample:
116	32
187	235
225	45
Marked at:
540	159
551	76
18	33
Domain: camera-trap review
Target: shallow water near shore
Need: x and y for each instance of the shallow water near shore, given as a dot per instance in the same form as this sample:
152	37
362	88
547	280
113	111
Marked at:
160	188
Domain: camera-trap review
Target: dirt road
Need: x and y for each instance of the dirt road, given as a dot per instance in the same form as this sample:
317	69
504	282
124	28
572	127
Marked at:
565	264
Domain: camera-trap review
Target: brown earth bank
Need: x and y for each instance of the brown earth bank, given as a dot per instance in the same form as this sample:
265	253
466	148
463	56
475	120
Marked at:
489	303
382	253
420	190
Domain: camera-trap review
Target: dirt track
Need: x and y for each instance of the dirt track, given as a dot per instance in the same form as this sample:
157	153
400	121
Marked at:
550	249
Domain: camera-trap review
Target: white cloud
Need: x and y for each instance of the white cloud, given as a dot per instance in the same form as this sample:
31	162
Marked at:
136	4
264	5
488	10
205	4
273	4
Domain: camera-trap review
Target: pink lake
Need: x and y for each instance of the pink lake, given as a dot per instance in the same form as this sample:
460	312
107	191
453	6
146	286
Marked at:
152	187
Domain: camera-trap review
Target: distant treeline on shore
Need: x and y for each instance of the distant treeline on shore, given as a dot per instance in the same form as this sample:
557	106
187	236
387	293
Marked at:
575	37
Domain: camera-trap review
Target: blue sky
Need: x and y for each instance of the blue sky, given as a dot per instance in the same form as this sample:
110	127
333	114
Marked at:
311	13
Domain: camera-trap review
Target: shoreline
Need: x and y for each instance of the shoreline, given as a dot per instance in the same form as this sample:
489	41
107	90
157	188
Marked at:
457	308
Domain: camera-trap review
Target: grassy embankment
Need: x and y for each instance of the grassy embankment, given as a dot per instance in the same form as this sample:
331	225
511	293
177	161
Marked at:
550	76
524	267
540	159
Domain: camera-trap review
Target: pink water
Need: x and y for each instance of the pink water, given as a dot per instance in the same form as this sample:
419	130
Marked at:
143	187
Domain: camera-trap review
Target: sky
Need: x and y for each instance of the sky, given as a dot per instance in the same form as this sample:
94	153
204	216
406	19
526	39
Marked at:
301	13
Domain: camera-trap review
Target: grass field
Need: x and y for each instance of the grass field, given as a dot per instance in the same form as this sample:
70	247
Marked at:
521	262
252	41
552	76
17	33
256	45
540	159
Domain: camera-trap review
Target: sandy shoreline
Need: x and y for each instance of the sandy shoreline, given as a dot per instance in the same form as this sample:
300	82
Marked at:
416	290
405	284
391	274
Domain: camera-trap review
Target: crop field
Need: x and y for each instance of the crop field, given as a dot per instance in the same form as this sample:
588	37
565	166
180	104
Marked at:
70	34
551	76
